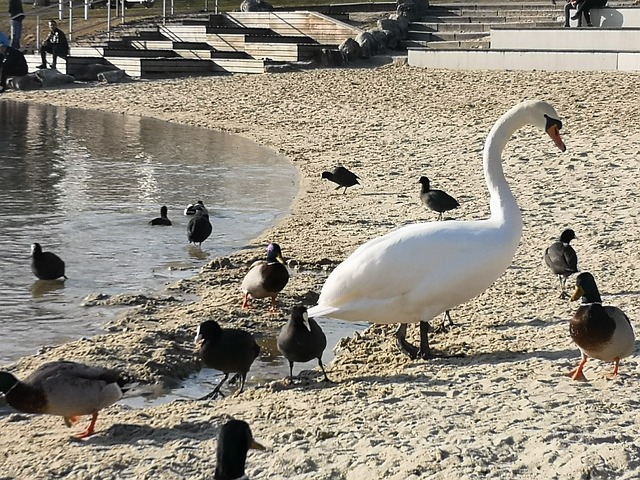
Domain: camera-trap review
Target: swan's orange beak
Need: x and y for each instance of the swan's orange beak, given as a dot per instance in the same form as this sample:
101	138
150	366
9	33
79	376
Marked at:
554	132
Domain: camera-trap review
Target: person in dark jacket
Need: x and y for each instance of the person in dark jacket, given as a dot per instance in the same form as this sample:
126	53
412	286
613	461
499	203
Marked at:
583	10
56	44
17	15
13	64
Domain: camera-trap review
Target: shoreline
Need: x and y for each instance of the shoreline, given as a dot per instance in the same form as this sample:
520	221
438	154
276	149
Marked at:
503	409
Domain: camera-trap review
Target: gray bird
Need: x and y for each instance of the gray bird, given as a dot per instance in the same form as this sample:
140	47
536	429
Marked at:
46	265
301	339
229	350
436	200
343	177
562	259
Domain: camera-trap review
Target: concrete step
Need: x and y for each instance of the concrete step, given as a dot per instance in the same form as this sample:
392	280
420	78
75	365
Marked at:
456	19
418	27
563	39
492	59
446	36
479	43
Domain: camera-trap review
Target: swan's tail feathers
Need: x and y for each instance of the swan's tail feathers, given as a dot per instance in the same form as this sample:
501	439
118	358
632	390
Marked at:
321	311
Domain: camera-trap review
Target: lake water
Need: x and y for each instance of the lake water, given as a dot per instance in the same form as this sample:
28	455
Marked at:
85	184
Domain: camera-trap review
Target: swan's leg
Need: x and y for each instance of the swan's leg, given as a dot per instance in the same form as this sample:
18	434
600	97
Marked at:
425	350
446	324
401	339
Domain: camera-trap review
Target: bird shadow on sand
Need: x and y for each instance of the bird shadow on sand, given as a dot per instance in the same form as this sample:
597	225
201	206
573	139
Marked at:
126	433
534	322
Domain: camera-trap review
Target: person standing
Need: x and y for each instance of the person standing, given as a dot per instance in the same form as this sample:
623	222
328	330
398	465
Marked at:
17	15
56	44
13	64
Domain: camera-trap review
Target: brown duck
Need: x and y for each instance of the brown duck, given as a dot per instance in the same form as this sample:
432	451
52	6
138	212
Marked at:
600	331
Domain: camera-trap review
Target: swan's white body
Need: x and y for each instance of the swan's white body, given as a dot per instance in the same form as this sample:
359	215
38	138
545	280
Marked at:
419	271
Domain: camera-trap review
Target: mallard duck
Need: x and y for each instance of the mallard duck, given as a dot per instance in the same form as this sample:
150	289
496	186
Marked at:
343	177
436	200
600	331
162	219
234	441
561	258
421	270
266	278
228	350
199	227
301	339
68	389
46	265
191	208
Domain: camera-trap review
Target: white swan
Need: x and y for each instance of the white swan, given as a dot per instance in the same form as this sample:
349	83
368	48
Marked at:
419	271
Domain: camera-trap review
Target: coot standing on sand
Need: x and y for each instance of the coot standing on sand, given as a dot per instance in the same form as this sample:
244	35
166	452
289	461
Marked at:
301	339
343	177
436	200
229	350
562	259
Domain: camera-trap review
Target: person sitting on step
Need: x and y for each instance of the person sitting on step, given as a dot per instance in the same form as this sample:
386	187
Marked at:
583	9
56	44
572	5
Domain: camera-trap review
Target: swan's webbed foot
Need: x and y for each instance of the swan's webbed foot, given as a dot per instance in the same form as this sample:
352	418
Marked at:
424	352
446	325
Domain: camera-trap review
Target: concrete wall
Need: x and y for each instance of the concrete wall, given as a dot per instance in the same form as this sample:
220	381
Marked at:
519	60
612	17
553	39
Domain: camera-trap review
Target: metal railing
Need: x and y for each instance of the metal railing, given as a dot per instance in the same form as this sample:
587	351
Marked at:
67	7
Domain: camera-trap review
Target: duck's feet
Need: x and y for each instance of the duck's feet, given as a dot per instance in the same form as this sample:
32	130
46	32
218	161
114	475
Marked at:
576	373
614	373
90	429
424	352
563	295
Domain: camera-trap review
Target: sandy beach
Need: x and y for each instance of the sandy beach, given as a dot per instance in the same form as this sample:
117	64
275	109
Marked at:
501	405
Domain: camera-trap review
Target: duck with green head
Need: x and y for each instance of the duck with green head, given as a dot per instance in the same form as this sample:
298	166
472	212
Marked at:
600	331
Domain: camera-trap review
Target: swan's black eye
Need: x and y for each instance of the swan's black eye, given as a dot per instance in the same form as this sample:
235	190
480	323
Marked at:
552	122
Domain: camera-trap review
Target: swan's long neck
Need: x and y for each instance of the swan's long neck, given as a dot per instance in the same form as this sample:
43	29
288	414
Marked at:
504	208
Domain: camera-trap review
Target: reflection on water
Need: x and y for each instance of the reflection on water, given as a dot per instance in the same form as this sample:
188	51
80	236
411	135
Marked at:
85	184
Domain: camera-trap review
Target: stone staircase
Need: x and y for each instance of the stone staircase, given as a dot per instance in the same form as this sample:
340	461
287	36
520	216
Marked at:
613	44
468	25
234	42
